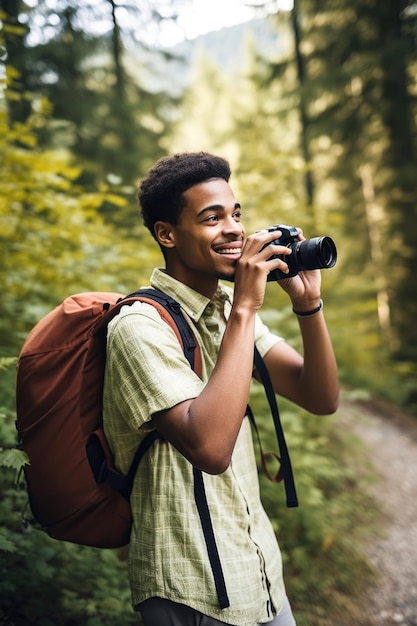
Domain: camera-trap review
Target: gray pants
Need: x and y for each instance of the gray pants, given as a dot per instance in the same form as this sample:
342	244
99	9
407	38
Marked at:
161	612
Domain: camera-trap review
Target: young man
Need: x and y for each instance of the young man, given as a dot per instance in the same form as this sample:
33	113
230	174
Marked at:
191	211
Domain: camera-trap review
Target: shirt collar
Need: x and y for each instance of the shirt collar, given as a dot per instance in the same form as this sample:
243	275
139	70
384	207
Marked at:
193	303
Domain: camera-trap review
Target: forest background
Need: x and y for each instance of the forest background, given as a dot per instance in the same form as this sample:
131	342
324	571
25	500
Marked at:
315	108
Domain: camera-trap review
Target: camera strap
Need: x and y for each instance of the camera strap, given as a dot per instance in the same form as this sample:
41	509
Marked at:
286	468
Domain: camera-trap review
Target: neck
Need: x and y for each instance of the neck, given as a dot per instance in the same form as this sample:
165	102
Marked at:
205	285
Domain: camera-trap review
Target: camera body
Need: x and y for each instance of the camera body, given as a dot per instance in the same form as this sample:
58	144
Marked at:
310	254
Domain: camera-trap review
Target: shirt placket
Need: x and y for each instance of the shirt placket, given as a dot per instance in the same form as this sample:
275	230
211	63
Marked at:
211	320
269	607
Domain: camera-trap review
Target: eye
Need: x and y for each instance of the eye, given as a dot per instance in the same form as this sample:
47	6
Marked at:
212	218
237	214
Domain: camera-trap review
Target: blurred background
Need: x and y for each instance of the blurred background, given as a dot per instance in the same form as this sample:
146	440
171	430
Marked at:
314	104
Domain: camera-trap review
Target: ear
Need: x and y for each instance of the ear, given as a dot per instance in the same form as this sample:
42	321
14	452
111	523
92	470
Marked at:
164	233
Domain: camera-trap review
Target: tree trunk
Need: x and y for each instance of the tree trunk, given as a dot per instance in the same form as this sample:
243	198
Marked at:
301	75
117	49
375	218
400	161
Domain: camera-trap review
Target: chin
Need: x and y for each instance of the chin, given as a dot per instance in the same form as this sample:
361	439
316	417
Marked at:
230	277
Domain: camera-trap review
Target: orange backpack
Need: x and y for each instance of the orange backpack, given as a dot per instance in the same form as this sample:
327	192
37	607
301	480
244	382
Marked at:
74	491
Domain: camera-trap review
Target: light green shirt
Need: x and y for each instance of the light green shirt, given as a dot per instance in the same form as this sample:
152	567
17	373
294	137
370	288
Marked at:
147	372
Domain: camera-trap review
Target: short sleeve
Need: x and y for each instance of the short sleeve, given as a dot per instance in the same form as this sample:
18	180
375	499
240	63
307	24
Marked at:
146	369
264	338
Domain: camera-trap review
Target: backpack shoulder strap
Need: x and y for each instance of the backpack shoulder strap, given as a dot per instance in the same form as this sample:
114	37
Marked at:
187	339
170	311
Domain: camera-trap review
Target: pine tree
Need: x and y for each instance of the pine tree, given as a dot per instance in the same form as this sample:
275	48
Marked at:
78	56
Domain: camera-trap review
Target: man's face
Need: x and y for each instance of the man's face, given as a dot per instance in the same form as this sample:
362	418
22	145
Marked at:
209	236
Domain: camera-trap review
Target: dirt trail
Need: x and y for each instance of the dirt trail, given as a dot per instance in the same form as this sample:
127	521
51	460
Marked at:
391	438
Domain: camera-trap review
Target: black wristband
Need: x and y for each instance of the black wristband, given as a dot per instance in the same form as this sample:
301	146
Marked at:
309	313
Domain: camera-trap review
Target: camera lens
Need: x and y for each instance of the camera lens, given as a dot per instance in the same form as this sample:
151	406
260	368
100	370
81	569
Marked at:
316	253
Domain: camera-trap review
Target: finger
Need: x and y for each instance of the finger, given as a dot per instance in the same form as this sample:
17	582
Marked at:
300	234
276	263
265	236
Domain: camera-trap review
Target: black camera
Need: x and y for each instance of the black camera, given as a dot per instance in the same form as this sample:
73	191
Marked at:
311	254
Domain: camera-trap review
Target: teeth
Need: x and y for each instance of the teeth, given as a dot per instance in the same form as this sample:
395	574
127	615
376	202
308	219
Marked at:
229	251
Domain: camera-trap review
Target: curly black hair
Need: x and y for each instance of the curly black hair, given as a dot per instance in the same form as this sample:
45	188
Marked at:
161	191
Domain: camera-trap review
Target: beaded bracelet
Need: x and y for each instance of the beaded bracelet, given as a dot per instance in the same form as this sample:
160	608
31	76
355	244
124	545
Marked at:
309	313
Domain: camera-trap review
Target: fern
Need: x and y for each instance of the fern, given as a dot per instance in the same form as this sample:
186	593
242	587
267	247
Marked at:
13	458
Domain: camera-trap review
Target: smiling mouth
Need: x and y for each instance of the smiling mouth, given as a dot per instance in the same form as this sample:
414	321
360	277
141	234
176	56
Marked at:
229	251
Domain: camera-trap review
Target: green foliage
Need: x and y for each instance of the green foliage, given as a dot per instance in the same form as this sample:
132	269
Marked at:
7	362
62	583
53	240
53	237
13	459
103	109
47	222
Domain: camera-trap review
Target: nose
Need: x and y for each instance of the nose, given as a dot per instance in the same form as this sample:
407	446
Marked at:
232	227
